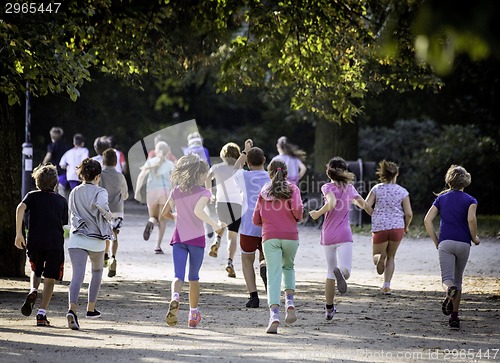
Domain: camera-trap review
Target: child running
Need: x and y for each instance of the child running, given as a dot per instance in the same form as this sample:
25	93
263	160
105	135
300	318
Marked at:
115	184
189	199
90	214
45	247
229	200
250	183
278	209
391	219
336	234
457	228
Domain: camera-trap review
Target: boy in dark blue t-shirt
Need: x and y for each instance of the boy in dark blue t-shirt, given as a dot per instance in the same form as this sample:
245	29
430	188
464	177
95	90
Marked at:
48	213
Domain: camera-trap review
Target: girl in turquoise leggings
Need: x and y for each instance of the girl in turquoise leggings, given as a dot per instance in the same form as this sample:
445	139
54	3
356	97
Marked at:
278	210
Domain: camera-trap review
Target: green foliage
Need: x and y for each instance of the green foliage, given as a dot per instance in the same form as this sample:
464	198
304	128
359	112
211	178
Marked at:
425	151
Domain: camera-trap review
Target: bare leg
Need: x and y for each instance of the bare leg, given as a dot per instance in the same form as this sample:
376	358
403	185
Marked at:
379	256
389	262
231	243
329	291
194	294
48	290
247	261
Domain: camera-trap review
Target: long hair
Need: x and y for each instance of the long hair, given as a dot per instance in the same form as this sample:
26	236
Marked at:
456	178
291	149
387	170
187	171
280	188
336	170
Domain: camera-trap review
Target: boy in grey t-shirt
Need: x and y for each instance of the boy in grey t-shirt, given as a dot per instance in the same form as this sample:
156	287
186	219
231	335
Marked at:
116	185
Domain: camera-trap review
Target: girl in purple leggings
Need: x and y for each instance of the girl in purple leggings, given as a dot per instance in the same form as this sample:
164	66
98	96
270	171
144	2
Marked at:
189	199
457	228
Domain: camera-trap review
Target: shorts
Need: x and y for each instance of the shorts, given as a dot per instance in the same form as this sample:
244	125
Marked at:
250	244
391	235
229	213
50	263
156	196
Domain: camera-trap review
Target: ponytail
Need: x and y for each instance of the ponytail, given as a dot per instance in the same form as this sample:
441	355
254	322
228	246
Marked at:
280	188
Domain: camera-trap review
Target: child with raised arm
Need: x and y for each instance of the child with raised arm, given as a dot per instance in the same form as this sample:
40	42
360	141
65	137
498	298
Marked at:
90	228
391	218
250	183
457	228
189	199
336	234
278	209
48	213
115	184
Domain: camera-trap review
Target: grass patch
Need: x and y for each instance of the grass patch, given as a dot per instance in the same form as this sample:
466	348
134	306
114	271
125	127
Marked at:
488	226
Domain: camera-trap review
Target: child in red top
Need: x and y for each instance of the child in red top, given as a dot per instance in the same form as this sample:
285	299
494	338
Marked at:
278	210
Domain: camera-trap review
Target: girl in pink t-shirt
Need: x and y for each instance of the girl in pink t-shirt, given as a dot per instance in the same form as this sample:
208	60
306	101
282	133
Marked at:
278	209
336	235
391	217
189	199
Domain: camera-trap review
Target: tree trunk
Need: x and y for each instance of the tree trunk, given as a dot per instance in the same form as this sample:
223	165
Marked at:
12	259
331	140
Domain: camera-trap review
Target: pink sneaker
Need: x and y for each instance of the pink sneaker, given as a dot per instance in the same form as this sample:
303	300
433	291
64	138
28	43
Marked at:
194	319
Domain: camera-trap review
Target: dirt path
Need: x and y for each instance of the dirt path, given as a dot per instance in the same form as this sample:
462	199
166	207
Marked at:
368	327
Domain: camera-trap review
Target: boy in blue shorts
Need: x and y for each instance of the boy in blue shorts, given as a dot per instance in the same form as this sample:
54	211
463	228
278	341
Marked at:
48	213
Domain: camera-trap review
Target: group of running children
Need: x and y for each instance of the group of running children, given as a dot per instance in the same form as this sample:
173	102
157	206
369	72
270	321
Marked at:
271	210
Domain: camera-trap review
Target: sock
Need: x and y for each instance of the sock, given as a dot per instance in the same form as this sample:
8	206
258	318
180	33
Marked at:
42	312
289	300
193	311
113	256
275	314
175	296
387	284
254	294
454	315
33	289
106	256
330	307
229	261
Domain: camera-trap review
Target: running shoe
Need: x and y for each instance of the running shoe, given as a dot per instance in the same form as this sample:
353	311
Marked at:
72	320
274	322
341	284
147	231
253	302
230	270
330	313
386	290
27	307
194	319
454	323
93	314
263	274
173	309
112	268
41	320
214	248
291	314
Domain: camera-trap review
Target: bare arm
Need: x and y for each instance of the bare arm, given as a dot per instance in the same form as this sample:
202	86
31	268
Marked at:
243	156
330	203
429	226
141	179
47	158
201	214
471	219
20	241
408	212
361	203
166	212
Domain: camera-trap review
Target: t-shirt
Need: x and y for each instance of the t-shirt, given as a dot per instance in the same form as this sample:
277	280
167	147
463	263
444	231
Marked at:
226	189
188	227
453	210
159	178
116	186
292	165
48	213
250	183
199	150
57	150
336	228
71	159
388	212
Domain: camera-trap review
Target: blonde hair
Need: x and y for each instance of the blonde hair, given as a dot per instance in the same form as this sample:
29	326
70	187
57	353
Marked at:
387	170
230	153
187	171
456	178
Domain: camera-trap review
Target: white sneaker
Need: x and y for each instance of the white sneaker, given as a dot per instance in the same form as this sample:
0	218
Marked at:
341	284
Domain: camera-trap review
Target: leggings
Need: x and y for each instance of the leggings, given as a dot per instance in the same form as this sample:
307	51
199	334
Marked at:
338	255
453	256
78	258
181	252
280	256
